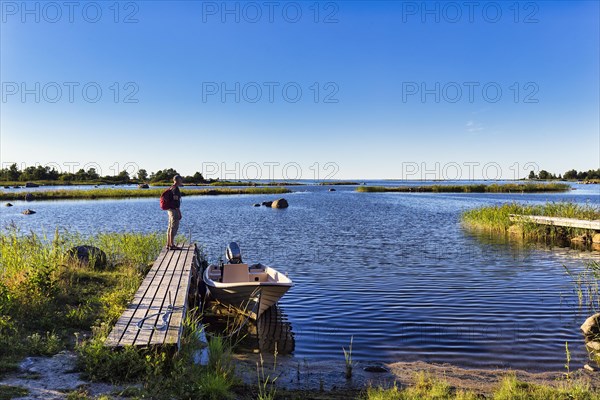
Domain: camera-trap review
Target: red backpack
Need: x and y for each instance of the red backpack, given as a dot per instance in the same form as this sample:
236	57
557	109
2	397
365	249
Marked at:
166	199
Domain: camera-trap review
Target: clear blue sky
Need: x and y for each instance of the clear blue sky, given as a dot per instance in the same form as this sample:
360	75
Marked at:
371	62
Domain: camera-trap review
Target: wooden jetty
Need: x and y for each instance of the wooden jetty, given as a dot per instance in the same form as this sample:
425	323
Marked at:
155	315
558	221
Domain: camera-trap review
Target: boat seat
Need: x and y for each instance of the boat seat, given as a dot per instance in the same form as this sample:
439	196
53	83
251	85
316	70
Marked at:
233	273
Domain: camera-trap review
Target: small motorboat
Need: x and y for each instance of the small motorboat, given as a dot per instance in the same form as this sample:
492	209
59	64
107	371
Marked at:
249	289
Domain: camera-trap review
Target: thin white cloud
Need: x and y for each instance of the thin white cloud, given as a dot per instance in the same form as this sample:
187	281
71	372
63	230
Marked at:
474	126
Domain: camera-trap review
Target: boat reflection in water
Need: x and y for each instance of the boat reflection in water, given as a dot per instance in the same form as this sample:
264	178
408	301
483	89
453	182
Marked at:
271	331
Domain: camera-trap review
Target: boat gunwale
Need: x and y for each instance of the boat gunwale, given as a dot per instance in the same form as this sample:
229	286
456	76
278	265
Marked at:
210	282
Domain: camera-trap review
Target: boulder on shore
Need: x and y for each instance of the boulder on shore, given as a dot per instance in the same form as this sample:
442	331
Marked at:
90	255
280	203
28	212
596	238
579	239
28	197
591	328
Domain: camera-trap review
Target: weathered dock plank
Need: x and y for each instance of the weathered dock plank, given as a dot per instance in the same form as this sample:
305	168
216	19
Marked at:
156	313
558	221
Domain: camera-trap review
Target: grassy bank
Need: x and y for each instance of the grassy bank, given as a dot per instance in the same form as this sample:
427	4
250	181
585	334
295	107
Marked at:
492	188
497	219
46	297
131	193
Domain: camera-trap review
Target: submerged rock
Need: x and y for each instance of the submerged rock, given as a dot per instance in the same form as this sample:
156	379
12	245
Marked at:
90	255
280	203
28	212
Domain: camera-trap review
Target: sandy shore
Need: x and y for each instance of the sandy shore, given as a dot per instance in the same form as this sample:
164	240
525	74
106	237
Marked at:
53	377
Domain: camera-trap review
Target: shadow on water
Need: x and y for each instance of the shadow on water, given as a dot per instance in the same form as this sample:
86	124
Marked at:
272	331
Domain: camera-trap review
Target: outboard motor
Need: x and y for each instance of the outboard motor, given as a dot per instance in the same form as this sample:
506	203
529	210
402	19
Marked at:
233	253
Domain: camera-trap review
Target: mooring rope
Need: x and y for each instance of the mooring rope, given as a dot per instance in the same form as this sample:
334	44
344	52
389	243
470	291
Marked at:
166	317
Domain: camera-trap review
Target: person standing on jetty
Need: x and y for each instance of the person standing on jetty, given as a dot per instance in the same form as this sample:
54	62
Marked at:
174	212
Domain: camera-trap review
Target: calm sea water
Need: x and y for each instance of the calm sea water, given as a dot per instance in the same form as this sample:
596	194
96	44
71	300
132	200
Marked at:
395	271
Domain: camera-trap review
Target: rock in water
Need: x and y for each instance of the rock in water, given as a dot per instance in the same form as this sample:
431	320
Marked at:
267	203
591	328
90	255
143	186
332	190
31	184
375	368
256	205
28	212
8	205
280	203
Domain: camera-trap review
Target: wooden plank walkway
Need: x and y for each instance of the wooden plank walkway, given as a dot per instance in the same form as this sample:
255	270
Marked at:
155	315
558	221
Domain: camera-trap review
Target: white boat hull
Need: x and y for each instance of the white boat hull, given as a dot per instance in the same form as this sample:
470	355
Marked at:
250	298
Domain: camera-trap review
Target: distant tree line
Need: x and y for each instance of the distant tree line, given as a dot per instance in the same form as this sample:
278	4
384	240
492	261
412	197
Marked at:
40	173
569	175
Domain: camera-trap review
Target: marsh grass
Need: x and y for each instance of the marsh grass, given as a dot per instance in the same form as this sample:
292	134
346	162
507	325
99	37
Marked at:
348	360
266	383
108	193
496	218
427	387
164	372
587	284
511	388
46	297
475	188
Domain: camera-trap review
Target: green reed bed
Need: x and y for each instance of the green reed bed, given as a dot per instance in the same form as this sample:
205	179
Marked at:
340	183
496	218
492	188
105	193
